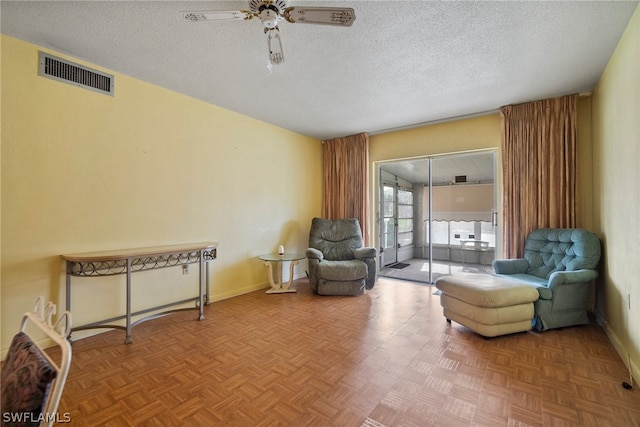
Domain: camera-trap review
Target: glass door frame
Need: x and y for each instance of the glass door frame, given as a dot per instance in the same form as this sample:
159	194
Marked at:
403	237
382	178
388	254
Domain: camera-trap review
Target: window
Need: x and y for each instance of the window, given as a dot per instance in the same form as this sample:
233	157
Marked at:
440	232
462	230
451	232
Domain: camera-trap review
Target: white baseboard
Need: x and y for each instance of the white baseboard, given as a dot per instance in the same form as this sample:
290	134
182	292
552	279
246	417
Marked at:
633	369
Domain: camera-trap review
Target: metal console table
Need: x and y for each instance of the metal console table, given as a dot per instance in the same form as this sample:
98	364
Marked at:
128	261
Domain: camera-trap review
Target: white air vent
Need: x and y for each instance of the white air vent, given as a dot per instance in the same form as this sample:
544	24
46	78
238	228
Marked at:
74	74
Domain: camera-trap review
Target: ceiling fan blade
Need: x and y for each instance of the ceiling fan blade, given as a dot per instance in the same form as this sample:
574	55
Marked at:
217	15
342	16
276	55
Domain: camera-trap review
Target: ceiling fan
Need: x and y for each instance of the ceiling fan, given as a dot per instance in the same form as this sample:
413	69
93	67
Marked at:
271	13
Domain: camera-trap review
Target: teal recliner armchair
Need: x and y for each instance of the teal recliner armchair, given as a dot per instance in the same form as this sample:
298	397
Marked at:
338	262
560	263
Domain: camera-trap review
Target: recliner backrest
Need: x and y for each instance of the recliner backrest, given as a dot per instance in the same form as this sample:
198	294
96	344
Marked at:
561	249
336	239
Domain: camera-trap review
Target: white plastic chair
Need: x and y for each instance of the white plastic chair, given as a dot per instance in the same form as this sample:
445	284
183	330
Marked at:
29	371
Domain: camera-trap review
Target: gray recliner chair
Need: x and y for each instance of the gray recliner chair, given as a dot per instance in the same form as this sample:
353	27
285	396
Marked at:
560	263
338	262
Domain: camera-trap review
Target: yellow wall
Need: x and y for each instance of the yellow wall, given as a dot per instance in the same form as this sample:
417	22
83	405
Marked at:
616	192
442	138
83	171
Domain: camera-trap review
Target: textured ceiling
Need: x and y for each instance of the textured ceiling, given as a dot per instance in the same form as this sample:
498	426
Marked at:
402	63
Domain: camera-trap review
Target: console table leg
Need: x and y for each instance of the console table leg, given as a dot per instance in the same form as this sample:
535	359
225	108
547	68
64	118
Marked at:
128	339
201	286
68	295
208	300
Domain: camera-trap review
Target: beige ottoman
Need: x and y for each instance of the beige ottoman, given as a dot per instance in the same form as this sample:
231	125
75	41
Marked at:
488	305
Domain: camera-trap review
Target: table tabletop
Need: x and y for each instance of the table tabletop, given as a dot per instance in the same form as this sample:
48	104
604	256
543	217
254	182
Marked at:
120	254
284	257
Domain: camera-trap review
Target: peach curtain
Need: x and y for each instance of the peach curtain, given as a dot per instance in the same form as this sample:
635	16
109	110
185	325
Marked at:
346	163
539	167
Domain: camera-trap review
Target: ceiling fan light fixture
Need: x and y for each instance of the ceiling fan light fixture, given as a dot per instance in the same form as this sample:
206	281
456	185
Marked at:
269	18
271	13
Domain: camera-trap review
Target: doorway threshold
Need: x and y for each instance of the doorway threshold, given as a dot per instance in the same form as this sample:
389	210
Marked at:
418	270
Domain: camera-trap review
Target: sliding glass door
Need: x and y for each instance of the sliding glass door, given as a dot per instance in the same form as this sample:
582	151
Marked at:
438	214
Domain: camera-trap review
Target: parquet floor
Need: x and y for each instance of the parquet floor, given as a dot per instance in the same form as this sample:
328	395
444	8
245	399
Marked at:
388	358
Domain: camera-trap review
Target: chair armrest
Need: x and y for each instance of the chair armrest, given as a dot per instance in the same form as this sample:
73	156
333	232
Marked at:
558	278
369	256
364	253
313	253
510	266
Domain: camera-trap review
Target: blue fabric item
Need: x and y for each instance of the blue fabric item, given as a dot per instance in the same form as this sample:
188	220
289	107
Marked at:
561	264
548	250
511	266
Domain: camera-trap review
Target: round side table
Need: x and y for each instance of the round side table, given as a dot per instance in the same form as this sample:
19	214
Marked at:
271	259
